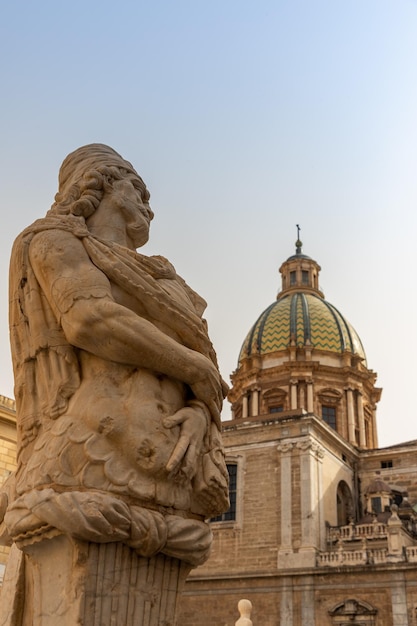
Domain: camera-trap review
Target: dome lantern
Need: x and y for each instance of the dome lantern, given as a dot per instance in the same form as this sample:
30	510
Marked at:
300	273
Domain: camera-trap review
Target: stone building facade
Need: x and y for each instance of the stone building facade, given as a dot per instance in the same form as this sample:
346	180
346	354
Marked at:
322	529
7	454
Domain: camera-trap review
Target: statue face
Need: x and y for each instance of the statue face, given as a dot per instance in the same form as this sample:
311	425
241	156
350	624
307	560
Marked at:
126	197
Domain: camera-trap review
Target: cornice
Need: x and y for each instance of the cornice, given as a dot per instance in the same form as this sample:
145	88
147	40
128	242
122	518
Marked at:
7	410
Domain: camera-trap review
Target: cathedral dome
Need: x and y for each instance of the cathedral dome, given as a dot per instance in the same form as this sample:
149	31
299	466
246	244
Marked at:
301	316
301	319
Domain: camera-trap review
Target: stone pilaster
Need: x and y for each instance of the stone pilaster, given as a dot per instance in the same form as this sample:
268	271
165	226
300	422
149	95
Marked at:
399	601
374	429
245	406
285	549
286	602
310	396
351	416
307	602
310	489
361	419
311	498
255	402
294	389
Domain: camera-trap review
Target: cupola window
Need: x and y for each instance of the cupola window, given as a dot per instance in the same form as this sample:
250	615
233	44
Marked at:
276	409
376	505
274	401
329	400
305	277
328	414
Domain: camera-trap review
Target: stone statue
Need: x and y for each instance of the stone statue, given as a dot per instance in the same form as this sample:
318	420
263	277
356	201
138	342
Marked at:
118	393
245	609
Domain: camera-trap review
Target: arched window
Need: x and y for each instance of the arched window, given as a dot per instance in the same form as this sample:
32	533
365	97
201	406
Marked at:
344	500
329	400
230	514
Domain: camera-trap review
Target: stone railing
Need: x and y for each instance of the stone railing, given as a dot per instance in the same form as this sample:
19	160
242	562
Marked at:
375	543
378	556
7	403
375	556
342	557
411	554
354	532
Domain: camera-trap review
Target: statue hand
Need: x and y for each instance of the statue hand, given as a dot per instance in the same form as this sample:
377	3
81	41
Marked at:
185	455
208	386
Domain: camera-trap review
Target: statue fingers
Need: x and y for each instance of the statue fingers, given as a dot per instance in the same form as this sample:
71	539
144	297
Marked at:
189	466
178	454
174	420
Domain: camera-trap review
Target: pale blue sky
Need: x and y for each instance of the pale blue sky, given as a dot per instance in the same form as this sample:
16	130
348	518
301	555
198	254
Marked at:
244	119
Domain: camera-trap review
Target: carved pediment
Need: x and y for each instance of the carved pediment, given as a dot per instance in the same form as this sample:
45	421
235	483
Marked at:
329	396
353	611
274	394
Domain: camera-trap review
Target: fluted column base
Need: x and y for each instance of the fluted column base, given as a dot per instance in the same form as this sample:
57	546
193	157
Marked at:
73	583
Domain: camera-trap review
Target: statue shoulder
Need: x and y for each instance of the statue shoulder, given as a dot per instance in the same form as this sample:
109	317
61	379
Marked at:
56	245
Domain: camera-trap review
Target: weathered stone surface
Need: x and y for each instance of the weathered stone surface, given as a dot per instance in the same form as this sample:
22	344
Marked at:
109	584
118	398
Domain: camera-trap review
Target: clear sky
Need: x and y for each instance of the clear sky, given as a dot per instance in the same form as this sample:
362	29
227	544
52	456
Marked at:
244	118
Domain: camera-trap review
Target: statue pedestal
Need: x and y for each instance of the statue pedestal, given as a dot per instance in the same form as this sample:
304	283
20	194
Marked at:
70	582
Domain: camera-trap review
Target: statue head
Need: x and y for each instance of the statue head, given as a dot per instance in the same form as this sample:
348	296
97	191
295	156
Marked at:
85	175
245	608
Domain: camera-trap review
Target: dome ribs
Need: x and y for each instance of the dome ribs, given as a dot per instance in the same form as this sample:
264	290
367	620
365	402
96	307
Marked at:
293	318
306	317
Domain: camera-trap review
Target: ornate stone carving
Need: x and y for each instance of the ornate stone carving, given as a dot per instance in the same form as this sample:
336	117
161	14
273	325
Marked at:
351	609
310	444
118	392
285	446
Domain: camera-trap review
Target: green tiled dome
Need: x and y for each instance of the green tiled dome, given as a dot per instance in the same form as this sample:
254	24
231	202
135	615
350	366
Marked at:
304	318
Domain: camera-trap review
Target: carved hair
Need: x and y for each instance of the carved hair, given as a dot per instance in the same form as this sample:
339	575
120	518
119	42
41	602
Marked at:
83	197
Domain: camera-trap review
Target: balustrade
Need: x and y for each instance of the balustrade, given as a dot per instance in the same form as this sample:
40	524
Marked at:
411	554
336	559
354	532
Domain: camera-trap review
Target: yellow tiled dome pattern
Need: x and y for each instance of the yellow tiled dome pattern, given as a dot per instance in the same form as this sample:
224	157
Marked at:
301	318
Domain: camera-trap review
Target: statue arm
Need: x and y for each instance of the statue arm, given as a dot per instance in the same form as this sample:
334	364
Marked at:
81	298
